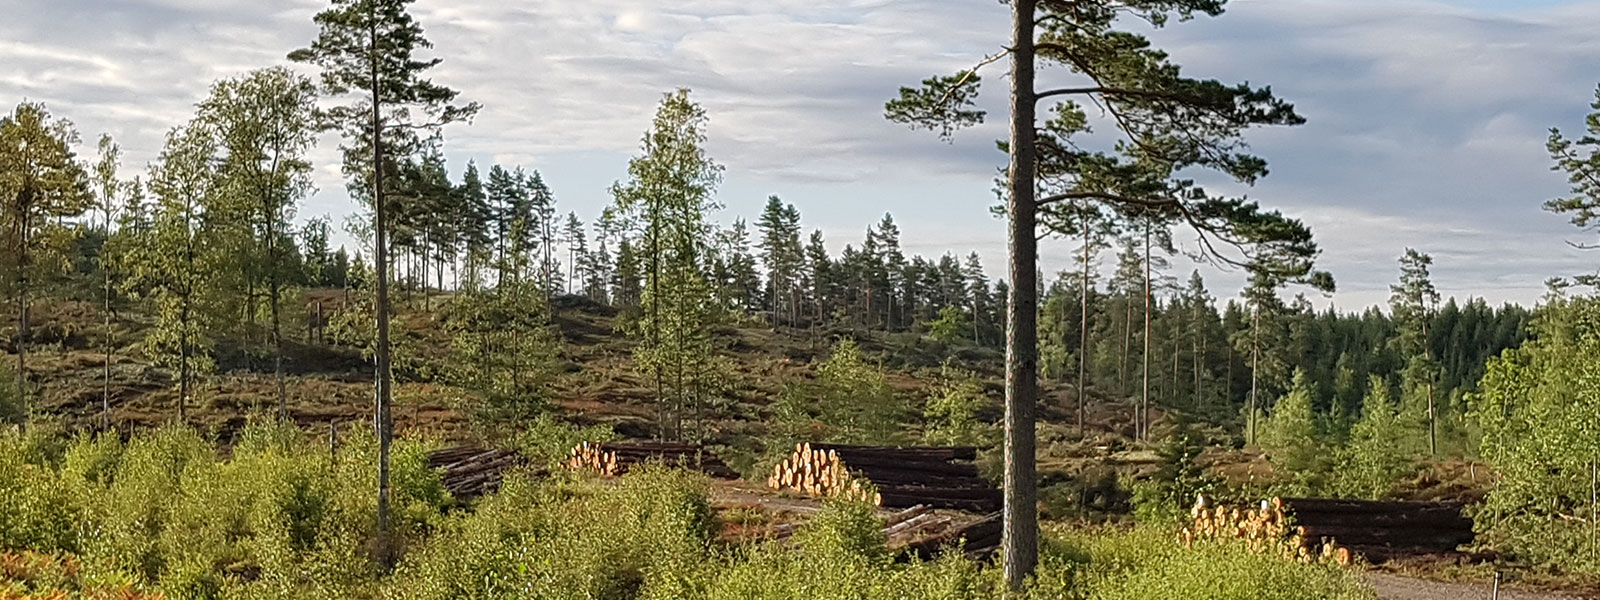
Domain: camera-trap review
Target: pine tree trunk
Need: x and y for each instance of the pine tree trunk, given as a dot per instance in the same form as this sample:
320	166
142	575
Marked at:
1199	359
1020	544
422	257
1255	364
1433	421
1144	401
381	265
1083	330
1171	394
1127	342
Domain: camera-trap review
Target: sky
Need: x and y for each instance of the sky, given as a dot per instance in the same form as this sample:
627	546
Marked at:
1426	128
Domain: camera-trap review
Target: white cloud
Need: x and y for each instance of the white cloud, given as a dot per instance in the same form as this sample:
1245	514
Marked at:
1427	119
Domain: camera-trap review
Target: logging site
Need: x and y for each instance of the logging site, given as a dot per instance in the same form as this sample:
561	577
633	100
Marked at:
832	299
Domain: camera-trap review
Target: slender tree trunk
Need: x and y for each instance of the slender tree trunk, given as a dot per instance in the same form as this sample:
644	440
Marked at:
655	318
380	259
23	255
422	258
1083	326
1433	421
274	298
1144	401
110	340
183	359
1199	358
1127	343
977	337
1255	372
1171	394
1021	518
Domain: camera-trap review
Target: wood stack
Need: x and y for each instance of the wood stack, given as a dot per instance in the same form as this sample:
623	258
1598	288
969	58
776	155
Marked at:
940	477
1335	530
921	532
611	459
469	472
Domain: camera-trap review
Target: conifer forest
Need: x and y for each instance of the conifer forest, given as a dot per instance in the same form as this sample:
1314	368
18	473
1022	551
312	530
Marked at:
1126	369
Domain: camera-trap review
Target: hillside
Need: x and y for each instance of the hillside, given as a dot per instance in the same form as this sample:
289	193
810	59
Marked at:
597	384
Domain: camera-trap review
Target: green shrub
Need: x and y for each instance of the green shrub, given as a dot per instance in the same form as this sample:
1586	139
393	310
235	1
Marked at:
1179	477
1149	563
13	410
645	537
546	440
39	511
1538	408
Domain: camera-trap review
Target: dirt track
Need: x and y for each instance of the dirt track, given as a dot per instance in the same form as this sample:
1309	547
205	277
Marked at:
1394	587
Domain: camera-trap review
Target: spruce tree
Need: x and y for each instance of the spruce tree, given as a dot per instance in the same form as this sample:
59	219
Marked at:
1291	439
1372	463
366	49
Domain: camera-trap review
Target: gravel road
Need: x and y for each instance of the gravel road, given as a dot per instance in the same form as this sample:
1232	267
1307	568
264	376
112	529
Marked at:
1394	587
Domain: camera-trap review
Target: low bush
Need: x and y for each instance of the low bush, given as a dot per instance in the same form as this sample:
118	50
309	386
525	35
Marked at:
282	519
1147	562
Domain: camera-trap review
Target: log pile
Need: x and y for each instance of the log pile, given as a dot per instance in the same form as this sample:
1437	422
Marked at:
611	459
1339	531
921	532
939	477
469	472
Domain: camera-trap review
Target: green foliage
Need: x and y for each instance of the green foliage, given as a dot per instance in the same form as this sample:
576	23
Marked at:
503	350
951	415
1179	477
282	519
278	519
1539	409
644	538
667	197
1145	563
1375	458
1292	441
546	440
12	406
849	402
1579	158
951	326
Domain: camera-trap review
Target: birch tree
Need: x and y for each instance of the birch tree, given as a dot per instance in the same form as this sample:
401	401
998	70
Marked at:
264	123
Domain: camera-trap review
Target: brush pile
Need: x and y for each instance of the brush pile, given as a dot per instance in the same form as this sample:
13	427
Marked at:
921	532
939	477
611	459
469	472
1333	530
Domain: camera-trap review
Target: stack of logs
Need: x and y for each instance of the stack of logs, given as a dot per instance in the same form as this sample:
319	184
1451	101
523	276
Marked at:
939	477
921	532
1338	531
611	459
468	472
